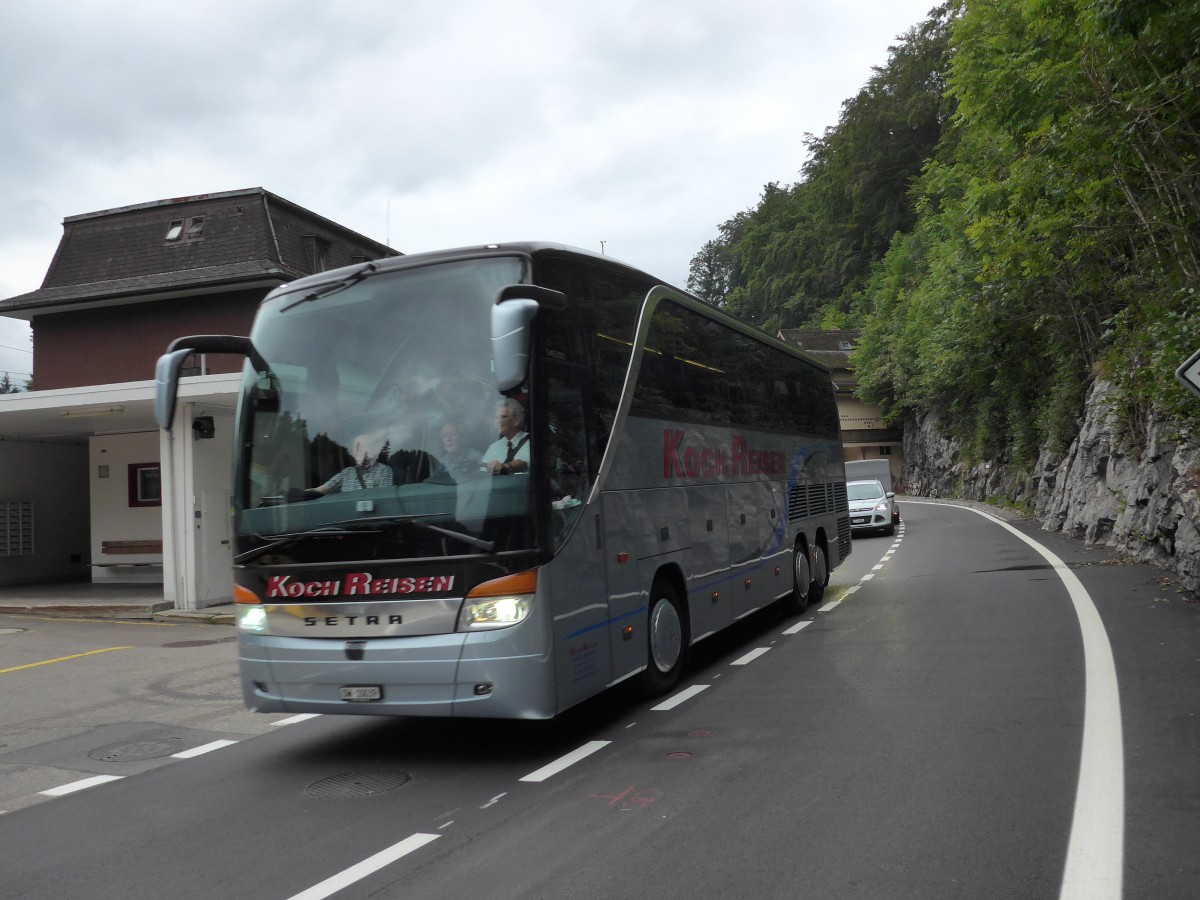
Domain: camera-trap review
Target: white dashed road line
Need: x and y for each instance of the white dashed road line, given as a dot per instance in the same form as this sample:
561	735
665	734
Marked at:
302	717
201	750
368	866
80	785
682	697
750	657
564	762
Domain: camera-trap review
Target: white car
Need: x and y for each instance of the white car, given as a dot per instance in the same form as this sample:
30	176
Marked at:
871	507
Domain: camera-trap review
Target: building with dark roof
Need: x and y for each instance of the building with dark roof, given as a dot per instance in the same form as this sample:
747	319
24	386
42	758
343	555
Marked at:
133	278
92	502
864	433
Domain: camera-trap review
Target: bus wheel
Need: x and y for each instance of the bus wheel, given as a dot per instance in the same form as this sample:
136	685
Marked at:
797	601
666	641
820	575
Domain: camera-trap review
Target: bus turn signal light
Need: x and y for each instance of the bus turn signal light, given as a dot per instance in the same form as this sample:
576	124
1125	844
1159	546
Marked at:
521	583
244	595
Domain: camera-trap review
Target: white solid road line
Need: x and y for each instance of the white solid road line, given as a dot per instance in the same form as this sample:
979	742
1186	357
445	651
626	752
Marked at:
1095	864
368	866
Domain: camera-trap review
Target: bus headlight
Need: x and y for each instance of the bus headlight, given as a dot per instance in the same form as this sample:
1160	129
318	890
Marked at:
251	614
494	612
500	603
252	619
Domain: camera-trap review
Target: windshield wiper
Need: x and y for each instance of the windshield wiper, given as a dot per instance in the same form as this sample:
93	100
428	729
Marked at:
477	543
415	521
351	526
334	287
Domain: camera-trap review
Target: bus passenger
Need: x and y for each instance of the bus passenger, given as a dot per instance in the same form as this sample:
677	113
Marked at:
366	472
509	454
455	459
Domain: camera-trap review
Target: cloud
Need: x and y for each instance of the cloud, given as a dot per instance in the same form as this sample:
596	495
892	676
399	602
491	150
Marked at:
642	125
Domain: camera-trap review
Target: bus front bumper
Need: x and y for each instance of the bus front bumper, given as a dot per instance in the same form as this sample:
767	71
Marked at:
479	675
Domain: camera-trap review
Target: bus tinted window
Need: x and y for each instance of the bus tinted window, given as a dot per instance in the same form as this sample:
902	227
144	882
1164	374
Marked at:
697	369
594	333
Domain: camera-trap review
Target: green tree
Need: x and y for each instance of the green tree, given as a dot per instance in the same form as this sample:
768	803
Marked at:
806	250
1060	212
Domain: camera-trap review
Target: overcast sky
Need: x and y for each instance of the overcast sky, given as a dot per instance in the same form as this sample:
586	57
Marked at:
636	127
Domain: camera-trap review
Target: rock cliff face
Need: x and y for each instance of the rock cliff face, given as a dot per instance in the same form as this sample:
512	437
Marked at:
1145	504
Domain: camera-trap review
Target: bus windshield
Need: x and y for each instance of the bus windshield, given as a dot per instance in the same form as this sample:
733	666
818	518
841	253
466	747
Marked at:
368	434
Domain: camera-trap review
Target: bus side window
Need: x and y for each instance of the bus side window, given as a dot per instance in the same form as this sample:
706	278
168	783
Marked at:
566	459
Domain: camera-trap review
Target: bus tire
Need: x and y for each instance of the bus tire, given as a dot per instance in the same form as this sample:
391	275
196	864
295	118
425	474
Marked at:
797	600
666	640
820	574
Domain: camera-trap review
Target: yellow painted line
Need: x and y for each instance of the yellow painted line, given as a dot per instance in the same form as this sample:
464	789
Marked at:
46	662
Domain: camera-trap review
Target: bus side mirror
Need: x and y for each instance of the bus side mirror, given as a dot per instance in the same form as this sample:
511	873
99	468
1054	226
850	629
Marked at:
166	370
166	385
510	340
514	312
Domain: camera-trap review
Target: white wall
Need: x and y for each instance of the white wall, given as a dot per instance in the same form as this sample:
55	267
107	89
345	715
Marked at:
54	477
212	473
198	476
112	518
857	415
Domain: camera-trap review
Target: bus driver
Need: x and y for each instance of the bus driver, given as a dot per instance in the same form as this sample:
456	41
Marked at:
510	453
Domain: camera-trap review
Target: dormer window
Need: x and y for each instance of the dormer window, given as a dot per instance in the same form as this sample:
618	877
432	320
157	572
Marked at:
185	230
845	345
317	248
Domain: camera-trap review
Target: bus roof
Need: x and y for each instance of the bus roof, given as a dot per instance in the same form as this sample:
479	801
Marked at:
533	249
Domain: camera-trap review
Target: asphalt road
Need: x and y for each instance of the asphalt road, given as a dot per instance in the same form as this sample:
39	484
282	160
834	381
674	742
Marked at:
926	737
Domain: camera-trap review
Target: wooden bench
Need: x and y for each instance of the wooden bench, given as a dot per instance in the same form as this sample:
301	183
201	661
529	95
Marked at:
126	548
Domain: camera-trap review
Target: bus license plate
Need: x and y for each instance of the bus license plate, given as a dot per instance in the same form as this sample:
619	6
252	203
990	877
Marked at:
361	693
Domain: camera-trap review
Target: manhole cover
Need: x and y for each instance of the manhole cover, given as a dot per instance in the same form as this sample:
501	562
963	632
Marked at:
356	784
700	732
128	751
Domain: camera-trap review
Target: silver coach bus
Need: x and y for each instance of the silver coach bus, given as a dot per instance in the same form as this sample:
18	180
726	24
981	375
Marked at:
667	471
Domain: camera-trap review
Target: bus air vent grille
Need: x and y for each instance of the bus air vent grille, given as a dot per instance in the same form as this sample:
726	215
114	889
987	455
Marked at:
807	500
843	537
